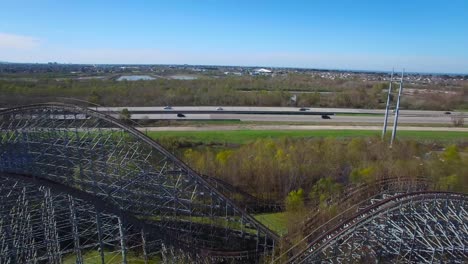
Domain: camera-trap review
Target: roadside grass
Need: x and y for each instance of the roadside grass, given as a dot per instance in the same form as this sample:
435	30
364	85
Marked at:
358	114
245	136
239	123
434	135
274	221
189	122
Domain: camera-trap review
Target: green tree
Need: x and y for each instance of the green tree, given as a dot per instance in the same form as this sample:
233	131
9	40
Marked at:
364	175
125	115
94	97
295	201
223	156
451	154
449	183
324	190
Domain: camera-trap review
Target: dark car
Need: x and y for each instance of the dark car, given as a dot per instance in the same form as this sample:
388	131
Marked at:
180	115
304	109
448	113
326	117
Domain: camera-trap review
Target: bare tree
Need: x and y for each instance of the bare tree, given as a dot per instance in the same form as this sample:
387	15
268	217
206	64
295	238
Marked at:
458	120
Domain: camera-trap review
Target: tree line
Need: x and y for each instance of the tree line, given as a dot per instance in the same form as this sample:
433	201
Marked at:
311	91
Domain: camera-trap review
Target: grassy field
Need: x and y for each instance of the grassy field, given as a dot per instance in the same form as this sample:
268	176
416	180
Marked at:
274	221
92	257
244	136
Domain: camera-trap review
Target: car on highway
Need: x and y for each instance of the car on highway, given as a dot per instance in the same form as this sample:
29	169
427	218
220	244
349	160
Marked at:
180	115
304	109
326	117
168	107
219	109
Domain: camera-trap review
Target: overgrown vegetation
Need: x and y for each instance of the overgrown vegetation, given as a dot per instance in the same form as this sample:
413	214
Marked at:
304	172
272	169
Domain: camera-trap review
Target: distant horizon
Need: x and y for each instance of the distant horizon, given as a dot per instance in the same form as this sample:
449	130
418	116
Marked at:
426	36
247	66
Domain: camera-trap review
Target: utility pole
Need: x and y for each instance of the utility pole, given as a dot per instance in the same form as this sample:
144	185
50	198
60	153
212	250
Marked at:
397	109
384	130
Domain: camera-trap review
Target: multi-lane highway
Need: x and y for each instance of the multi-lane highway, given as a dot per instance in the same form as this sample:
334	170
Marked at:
287	114
257	110
300	118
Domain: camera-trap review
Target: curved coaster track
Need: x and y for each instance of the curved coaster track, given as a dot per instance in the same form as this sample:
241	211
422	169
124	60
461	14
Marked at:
83	150
75	181
417	227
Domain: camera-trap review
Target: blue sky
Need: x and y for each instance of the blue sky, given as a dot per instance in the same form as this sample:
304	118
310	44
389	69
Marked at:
428	36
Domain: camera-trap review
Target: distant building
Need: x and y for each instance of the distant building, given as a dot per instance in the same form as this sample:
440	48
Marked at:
261	71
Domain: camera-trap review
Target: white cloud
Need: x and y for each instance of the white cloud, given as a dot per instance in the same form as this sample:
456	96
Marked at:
12	41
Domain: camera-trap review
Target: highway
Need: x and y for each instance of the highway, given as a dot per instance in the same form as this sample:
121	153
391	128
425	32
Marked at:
287	114
265	110
301	118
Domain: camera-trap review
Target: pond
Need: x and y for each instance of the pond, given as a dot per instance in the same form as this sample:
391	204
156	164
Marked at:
183	77
135	78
